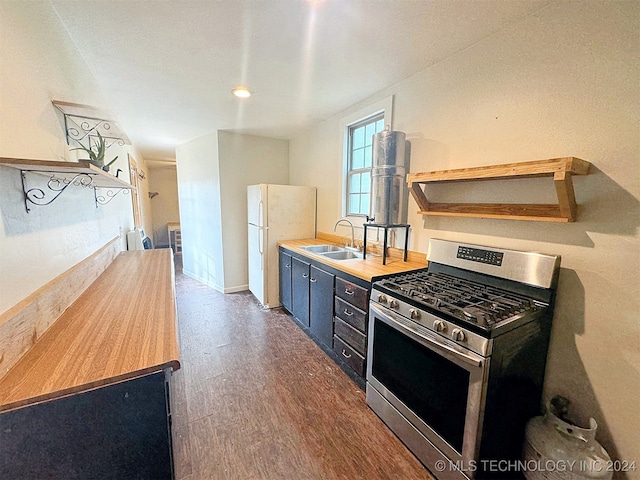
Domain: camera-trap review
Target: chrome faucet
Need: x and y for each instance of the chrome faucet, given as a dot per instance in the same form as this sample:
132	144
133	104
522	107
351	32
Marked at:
353	238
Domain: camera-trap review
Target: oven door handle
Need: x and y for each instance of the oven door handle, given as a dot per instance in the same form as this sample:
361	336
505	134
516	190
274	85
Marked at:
425	335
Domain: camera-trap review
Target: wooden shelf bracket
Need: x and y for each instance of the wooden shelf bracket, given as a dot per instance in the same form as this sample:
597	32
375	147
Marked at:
560	169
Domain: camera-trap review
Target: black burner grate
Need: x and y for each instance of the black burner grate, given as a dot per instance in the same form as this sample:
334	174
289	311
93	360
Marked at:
467	300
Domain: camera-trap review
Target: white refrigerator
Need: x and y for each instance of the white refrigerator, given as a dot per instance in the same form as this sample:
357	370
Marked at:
275	213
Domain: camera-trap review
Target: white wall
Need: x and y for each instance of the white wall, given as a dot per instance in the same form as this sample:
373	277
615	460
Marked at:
213	174
200	216
563	82
245	160
39	63
316	160
146	215
164	206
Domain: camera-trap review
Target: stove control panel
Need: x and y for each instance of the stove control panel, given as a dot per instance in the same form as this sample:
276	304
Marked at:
481	256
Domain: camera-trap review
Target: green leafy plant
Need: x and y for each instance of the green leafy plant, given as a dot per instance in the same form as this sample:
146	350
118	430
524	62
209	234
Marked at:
106	167
96	153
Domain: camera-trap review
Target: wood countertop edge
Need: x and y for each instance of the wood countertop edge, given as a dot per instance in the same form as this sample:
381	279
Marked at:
143	339
67	392
372	266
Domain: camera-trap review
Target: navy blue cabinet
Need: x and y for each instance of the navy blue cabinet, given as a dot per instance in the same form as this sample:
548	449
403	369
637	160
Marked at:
300	291
120	431
321	305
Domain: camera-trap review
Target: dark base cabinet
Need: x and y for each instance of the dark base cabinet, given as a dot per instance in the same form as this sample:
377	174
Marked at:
285	280
320	308
331	306
351	336
349	356
300	291
310	290
117	432
351	323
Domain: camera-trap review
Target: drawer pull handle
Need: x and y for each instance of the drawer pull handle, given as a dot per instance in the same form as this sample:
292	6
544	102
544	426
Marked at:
347	313
313	280
305	275
288	265
348	292
345	354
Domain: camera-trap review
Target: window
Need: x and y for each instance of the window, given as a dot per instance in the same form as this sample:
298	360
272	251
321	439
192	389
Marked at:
359	163
356	130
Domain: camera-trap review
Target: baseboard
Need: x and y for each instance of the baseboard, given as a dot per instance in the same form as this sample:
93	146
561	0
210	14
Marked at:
216	287
202	280
241	288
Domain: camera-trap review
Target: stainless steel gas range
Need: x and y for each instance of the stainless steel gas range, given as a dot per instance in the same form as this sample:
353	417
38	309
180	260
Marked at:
457	354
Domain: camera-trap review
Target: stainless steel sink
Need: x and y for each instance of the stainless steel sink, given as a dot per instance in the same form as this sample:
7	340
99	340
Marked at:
323	248
342	255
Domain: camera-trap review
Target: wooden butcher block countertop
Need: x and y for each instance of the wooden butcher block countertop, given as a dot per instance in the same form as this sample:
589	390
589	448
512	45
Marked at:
364	269
123	326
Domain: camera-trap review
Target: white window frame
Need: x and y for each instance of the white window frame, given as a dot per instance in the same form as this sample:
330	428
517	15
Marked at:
385	105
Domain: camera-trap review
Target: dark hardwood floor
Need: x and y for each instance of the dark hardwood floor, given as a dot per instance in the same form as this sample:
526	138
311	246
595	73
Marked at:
257	399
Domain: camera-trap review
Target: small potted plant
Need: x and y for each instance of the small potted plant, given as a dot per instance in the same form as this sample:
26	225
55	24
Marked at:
96	153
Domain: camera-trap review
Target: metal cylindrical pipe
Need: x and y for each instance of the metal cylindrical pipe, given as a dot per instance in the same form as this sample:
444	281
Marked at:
387	177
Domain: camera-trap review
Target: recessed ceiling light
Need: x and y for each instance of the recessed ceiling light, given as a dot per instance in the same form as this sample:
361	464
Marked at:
241	92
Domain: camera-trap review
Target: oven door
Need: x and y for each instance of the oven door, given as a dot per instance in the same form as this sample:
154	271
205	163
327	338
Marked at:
436	385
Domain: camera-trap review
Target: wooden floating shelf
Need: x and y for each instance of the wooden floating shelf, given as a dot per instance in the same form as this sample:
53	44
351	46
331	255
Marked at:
101	179
560	169
61	176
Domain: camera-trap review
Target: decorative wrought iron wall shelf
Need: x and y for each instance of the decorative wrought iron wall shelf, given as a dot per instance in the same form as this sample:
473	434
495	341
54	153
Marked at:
61	176
82	124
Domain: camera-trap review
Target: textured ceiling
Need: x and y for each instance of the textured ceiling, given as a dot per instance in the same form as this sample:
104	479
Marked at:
168	67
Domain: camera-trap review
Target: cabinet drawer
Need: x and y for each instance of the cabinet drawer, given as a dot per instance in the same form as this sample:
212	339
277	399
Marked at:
349	355
352	293
350	314
356	339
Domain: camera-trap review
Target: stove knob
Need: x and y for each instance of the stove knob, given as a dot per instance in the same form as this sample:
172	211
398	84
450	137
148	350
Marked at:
414	313
439	326
382	298
394	304
458	335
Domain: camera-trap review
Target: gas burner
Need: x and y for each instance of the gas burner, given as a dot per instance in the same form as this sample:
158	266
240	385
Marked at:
466	300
